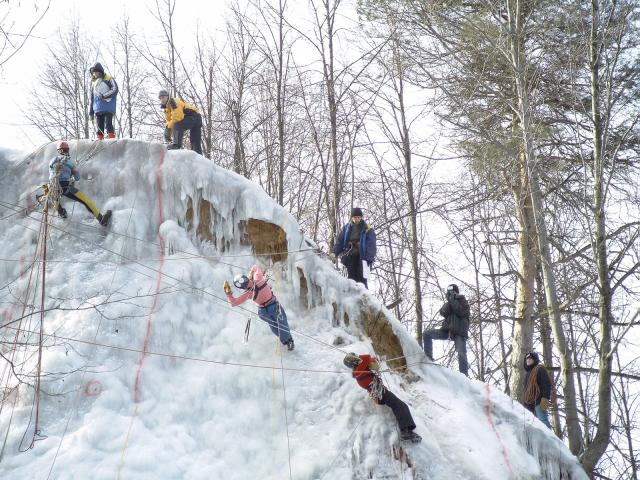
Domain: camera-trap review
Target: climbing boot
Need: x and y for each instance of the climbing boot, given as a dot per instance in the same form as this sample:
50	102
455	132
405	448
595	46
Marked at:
104	219
410	436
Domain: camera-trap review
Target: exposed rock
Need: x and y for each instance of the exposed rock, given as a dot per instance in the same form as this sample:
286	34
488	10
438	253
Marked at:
384	340
304	289
267	239
205	228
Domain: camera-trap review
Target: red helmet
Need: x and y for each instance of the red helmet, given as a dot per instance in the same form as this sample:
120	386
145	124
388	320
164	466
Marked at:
62	145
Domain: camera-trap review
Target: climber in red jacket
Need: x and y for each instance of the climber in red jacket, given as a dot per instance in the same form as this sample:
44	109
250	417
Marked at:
366	372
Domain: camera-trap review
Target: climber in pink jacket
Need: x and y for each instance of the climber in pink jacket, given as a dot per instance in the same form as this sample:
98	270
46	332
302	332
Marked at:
255	286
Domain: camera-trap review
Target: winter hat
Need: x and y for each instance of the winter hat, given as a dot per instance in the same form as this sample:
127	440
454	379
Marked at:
356	212
453	287
351	360
163	93
534	356
97	68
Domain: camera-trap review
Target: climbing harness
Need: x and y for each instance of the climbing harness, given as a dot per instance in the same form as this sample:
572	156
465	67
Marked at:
376	387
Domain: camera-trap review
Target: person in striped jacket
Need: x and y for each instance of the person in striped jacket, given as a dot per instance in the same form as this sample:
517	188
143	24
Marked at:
256	287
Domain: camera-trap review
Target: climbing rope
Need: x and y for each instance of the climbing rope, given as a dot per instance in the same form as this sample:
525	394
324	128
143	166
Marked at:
346	442
95	336
42	297
177	356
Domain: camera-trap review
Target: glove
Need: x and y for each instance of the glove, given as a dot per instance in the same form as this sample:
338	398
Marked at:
375	366
227	288
76	178
332	257
544	404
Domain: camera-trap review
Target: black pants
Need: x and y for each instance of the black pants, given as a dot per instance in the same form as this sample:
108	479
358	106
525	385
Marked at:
76	195
103	118
193	123
354	268
399	409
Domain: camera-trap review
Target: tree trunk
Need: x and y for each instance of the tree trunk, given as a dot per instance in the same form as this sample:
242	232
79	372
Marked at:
517	51
414	242
280	105
329	76
522	341
597	447
547	351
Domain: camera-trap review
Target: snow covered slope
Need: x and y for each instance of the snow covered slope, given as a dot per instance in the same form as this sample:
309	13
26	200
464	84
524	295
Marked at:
145	372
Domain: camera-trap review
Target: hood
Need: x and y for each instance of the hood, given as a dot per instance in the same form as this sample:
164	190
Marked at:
536	360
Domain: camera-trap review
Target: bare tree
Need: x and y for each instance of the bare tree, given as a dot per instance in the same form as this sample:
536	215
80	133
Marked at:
60	105
14	35
131	79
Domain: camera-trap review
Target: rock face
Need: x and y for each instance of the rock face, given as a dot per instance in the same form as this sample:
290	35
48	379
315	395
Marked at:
376	325
267	240
371	319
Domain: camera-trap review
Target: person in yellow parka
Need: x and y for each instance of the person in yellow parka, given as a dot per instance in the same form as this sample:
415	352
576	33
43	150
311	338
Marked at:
180	117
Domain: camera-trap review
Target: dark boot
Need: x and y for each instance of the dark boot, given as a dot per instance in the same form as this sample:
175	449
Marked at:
410	436
290	345
104	219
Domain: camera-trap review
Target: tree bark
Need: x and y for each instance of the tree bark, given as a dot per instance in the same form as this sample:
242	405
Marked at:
517	51
596	448
522	341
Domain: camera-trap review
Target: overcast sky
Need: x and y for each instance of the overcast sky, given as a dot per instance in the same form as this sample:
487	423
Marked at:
17	74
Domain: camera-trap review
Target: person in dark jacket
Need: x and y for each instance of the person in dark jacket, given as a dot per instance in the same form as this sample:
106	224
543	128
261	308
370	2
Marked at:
180	117
104	90
455	326
537	388
366	372
356	243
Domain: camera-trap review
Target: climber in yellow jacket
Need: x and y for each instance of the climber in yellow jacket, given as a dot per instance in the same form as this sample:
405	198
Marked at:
180	117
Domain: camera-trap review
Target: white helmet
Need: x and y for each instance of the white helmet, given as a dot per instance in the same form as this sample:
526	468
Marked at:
241	281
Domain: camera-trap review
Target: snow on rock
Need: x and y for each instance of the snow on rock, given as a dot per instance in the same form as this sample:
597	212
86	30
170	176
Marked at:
147	374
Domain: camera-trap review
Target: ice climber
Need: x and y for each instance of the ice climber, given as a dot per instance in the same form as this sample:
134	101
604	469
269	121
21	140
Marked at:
62	175
180	117
104	91
255	286
455	326
537	388
366	372
356	243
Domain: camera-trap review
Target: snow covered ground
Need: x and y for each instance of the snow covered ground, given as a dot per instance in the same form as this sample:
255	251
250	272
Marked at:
148	376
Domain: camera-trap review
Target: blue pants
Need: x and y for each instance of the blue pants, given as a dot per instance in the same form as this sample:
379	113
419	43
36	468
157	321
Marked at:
276	317
461	346
542	416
